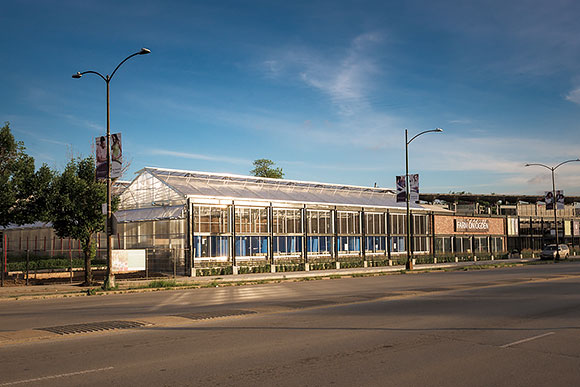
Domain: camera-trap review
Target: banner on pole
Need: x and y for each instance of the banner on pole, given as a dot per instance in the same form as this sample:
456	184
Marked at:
549	200
101	158
414	186
400	184
559	200
116	157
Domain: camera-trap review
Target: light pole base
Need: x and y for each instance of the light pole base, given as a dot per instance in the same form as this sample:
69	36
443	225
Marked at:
409	265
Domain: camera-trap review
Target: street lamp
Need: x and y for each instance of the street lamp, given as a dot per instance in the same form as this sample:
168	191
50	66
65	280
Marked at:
554	198
109	278
409	265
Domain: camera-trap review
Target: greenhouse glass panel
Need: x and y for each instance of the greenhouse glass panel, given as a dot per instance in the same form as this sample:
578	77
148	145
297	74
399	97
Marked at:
397	244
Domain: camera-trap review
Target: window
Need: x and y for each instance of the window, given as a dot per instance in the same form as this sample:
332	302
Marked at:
398	224
251	220
210	246
348	244
496	244
209	219
420	244
375	244
287	244
287	221
420	225
348	222
375	223
443	245
319	244
462	245
480	244
397	244
319	222
251	246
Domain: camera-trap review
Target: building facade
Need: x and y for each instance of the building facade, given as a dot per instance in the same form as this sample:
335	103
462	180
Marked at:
188	222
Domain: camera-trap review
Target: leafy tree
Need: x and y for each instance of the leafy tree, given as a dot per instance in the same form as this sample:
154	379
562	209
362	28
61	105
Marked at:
76	209
24	193
264	168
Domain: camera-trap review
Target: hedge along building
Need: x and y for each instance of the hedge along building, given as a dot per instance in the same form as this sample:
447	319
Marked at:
191	219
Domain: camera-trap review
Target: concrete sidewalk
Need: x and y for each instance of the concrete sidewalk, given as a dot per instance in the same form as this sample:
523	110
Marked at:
13	292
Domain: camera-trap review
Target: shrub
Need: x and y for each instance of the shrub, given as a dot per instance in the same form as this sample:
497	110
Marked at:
162	284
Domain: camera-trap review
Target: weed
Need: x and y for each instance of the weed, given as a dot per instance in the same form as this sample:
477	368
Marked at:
161	284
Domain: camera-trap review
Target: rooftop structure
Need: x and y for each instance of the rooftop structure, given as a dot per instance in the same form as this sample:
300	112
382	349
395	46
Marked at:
158	186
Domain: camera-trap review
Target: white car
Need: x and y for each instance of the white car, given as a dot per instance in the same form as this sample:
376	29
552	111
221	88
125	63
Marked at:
549	252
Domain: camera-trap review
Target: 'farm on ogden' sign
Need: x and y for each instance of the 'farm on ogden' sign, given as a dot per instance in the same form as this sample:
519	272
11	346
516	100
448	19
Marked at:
471	225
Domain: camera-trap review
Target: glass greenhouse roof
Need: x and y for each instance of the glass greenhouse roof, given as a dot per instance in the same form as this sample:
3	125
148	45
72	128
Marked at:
225	186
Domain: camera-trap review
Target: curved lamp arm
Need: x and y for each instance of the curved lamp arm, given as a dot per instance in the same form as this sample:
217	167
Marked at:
79	74
423	132
539	165
108	78
567	161
552	168
143	51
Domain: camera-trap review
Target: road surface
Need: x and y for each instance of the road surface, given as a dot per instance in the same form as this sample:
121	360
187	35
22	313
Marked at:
507	327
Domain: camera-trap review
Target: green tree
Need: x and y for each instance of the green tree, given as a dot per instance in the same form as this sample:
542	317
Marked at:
76	210
24	193
265	168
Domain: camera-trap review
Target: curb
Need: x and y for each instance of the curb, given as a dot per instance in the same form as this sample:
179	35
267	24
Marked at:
127	287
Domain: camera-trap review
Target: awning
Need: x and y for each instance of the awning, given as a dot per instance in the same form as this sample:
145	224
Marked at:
153	213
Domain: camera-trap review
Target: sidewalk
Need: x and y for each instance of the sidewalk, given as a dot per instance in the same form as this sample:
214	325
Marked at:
74	289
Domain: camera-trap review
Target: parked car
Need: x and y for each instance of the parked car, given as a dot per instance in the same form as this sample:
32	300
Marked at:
549	252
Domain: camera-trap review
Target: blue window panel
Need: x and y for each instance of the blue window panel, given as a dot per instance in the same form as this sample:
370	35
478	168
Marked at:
352	243
313	244
343	243
197	246
242	246
218	246
281	244
324	244
292	245
264	243
401	244
297	244
370	243
382	244
254	245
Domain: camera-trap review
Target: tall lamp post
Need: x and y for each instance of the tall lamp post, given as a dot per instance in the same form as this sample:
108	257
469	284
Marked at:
554	198
409	265
110	277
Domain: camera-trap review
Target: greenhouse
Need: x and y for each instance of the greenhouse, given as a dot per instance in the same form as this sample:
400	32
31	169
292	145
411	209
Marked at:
190	221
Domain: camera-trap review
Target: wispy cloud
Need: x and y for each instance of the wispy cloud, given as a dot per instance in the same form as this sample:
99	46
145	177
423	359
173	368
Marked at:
37	137
574	96
344	77
503	155
459	122
334	167
50	103
197	156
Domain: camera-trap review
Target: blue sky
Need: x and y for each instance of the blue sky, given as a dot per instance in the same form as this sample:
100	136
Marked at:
323	88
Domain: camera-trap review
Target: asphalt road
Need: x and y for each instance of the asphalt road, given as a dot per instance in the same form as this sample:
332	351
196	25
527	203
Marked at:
516	326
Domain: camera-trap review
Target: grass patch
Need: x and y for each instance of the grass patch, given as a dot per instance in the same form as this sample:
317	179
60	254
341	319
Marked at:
162	284
92	292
